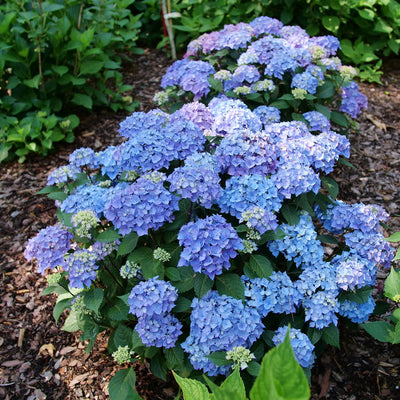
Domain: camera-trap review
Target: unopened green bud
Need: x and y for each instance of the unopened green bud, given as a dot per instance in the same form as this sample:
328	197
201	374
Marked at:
161	255
122	354
129	270
240	357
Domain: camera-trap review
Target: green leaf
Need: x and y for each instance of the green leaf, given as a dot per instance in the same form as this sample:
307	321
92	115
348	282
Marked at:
33	83
202	284
71	324
192	389
326	91
327	239
182	304
128	244
219	358
107	236
118	311
174	357
359	296
281	377
82	100
122	385
331	23
323	110
230	285
330	185
330	335
339	119
60	307
60	196
93	299
290	213
90	67
380	330
392	285
233	386
158	366
395	237
148	265
187	279
260	265
253	368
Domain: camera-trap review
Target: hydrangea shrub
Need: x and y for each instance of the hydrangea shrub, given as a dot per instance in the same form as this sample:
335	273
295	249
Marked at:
265	62
211	229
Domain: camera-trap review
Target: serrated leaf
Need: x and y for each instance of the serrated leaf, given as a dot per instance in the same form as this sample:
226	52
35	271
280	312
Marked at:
118	311
122	385
219	358
192	389
392	284
182	304
380	330
330	335
280	377
326	91
359	296
202	284
128	244
93	299
290	213
71	324
339	119
60	196
174	357
253	368
330	185
230	285
60	307
91	67
82	100
327	239
107	236
260	265
395	237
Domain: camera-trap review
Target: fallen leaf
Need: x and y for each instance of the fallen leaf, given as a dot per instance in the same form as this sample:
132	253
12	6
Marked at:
49	348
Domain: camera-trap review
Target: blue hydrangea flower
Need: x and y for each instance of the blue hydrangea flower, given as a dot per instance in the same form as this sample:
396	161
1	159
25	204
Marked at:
306	81
85	197
81	268
141	206
373	247
208	245
63	174
235	119
259	219
267	115
277	294
302	347
219	323
321	309
153	297
245	152
357	312
268	25
329	43
81	157
300	243
190	75
317	121
244	192
139	122
159	330
221	105
49	247
353	271
353	102
196	181
315	277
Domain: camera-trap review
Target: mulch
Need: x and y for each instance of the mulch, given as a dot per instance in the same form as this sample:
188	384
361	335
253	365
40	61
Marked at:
39	361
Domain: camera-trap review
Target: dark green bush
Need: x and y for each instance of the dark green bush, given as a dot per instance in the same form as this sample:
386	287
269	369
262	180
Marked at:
57	56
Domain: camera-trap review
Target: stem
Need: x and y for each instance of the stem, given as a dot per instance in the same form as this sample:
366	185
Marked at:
111	274
40	46
78	26
169	29
154	239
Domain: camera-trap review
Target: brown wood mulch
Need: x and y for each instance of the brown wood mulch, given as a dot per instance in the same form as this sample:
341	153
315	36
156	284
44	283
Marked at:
39	361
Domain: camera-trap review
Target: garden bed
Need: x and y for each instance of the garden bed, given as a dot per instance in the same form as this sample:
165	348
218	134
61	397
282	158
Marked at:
37	360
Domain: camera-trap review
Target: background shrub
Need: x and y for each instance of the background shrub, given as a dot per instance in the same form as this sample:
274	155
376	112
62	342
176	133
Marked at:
56	56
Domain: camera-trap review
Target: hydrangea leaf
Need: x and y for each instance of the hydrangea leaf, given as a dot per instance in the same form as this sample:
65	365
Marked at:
61	306
392	285
93	299
202	284
122	385
380	330
192	389
219	358
260	266
232	388
281	377
174	357
253	368
230	285
330	335
128	244
108	236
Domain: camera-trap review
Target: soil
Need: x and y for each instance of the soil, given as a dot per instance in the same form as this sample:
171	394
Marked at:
39	361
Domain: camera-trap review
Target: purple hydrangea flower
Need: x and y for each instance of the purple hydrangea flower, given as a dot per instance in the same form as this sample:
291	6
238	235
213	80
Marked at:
353	102
208	245
141	206
198	113
159	330
302	347
196	181
267	25
151	298
245	152
49	247
219	323
317	121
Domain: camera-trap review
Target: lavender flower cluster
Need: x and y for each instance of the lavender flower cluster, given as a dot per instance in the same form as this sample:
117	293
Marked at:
207	214
266	52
